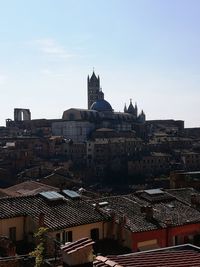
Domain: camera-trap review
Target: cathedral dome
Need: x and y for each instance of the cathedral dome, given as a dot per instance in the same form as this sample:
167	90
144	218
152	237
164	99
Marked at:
101	105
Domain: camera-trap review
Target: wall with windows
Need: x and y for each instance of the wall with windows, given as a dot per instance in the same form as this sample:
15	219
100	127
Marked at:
155	163
169	236
96	230
12	228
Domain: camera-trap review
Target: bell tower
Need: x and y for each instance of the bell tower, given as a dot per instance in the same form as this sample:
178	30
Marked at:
93	89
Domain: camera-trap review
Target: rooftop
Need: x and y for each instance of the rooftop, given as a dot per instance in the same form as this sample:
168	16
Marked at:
59	213
27	188
183	194
180	256
165	208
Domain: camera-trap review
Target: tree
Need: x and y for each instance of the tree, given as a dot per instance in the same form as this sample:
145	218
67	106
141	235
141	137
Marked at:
38	253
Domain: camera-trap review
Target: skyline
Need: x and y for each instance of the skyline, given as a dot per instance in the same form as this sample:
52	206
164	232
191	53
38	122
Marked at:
144	50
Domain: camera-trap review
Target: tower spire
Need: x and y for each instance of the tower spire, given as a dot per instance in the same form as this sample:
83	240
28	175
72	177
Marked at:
93	89
125	108
131	108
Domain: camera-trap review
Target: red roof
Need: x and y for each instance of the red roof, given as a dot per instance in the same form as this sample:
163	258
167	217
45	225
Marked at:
77	245
181	256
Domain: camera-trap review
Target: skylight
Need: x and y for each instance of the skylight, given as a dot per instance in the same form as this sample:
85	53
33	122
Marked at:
71	194
51	195
154	191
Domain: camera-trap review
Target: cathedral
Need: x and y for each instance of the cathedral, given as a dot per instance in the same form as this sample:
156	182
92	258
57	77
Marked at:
97	102
78	124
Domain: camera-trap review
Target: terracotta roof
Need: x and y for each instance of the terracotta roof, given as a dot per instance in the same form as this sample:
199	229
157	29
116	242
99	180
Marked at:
28	188
165	209
59	214
180	256
105	262
3	193
183	194
77	245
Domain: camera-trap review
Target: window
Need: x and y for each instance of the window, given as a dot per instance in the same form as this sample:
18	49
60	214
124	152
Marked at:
95	234
12	233
71	116
58	236
67	236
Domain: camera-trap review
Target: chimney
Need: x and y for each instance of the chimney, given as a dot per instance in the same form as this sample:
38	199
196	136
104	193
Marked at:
148	210
168	222
41	219
122	223
111	229
124	219
194	200
97	206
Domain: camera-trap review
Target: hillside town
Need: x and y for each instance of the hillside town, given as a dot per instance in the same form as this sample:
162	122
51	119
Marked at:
97	187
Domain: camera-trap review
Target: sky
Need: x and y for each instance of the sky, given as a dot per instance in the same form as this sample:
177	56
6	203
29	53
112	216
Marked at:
144	50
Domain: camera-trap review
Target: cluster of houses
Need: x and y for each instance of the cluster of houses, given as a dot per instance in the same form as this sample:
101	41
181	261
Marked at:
140	221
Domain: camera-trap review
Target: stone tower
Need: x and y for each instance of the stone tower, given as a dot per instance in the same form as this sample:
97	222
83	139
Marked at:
93	89
22	114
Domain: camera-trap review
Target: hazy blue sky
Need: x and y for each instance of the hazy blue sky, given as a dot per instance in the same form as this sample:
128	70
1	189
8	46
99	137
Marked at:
147	50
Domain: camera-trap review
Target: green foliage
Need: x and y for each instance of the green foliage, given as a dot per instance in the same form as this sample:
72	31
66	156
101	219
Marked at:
40	234
38	253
